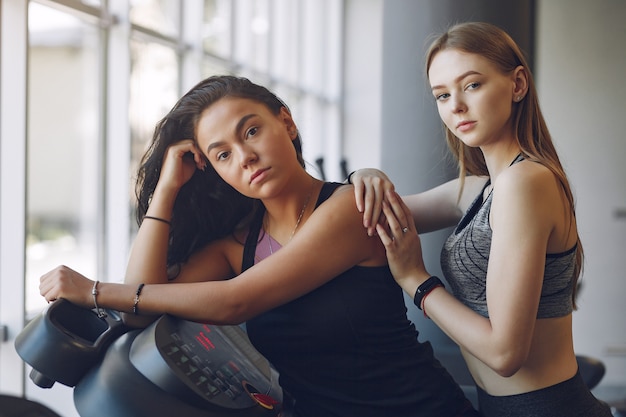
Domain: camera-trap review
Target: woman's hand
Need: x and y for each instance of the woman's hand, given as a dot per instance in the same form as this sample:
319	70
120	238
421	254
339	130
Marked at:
63	282
179	164
370	187
402	243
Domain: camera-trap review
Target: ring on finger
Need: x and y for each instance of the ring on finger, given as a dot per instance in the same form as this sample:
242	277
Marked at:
405	229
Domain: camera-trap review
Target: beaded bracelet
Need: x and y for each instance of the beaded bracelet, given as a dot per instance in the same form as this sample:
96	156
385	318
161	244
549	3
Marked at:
136	301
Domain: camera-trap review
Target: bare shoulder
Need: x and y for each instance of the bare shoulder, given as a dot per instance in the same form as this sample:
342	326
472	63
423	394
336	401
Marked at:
344	189
338	226
529	193
342	198
340	209
527	178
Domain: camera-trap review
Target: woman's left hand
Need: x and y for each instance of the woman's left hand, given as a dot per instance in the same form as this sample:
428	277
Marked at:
64	282
402	243
370	186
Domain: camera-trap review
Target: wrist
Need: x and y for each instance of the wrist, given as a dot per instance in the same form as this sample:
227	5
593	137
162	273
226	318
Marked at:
165	193
411	280
94	294
137	298
161	203
425	288
349	179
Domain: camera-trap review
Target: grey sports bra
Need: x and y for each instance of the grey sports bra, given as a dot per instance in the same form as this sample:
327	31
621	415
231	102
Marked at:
465	256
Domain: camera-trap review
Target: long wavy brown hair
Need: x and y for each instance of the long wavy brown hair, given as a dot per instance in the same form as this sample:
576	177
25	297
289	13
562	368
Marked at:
206	208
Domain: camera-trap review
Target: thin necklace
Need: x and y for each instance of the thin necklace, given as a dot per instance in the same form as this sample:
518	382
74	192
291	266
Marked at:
293	232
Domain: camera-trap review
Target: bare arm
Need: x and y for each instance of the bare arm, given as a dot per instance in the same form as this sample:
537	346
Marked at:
522	217
441	206
147	262
148	257
434	209
331	241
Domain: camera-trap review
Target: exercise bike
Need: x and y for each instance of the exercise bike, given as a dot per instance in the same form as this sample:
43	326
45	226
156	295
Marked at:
172	367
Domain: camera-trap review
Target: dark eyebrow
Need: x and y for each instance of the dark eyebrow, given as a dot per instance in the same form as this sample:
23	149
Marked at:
457	79
238	129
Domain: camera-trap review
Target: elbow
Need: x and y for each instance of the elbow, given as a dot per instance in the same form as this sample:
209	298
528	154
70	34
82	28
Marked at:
238	314
234	305
509	362
225	320
231	313
507	370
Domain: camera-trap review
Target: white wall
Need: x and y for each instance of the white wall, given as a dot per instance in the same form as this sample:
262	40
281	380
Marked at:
363	82
581	65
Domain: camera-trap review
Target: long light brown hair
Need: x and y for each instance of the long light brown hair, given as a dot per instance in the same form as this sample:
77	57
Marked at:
533	137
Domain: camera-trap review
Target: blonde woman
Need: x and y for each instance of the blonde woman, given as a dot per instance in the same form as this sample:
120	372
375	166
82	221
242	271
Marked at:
513	261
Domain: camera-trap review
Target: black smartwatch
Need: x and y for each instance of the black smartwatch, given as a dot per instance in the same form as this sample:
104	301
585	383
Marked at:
427	286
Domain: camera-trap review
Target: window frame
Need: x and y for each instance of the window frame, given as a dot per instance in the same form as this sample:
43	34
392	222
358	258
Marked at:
317	108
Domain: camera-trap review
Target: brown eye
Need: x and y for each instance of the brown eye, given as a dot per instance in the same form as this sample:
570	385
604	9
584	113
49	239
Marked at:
222	156
252	131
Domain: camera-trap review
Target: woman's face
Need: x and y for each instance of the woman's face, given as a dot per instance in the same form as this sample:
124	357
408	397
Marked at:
248	146
474	98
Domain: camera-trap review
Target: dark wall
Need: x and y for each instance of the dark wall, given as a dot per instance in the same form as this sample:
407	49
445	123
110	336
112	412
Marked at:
414	152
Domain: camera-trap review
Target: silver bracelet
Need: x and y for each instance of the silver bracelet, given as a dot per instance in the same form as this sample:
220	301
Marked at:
94	293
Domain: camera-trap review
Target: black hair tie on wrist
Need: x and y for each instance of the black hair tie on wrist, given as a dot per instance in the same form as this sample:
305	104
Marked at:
167	222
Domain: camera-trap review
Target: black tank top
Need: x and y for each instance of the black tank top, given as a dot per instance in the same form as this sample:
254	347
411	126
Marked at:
347	349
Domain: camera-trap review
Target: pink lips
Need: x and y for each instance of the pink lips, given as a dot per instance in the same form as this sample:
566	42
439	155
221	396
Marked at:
257	174
464	126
